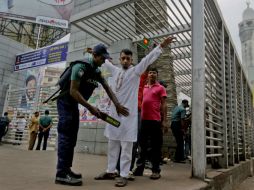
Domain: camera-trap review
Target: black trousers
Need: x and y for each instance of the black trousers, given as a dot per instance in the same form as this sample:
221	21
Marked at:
150	130
178	134
2	131
44	136
68	126
18	135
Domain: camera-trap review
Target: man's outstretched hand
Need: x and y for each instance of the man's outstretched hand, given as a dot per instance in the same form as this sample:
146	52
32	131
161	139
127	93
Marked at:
167	41
122	110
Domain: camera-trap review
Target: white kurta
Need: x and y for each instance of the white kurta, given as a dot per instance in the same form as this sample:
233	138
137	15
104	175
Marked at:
125	85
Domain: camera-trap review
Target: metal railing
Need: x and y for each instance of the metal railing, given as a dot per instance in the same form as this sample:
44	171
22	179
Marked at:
25	102
221	94
206	67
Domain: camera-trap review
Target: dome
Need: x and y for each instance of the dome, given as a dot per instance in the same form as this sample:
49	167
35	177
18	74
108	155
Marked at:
248	14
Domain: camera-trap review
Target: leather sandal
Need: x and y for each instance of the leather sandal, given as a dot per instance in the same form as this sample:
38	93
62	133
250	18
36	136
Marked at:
121	182
106	176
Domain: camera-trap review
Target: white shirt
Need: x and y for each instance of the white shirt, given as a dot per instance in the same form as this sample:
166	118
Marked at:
21	123
125	85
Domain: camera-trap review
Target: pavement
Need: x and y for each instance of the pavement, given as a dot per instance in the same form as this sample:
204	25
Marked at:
35	170
247	184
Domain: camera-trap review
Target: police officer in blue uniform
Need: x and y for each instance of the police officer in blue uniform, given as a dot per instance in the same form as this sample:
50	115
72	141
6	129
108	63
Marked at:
83	80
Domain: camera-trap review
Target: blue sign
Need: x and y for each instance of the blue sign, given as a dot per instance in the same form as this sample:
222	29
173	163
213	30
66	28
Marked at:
41	57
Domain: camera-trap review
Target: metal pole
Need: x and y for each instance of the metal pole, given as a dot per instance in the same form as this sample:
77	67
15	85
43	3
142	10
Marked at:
223	161
6	98
41	70
235	98
252	124
38	37
243	158
198	91
231	159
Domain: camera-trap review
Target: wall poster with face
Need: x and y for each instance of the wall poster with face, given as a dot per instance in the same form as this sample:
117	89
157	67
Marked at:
32	81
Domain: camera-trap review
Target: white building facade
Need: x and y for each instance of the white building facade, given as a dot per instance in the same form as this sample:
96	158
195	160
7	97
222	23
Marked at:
246	33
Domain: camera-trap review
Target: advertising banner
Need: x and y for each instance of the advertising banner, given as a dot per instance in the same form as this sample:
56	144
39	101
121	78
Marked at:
48	12
52	22
41	57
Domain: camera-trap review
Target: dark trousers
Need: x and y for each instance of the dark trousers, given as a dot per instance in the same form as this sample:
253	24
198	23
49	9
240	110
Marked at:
178	134
67	128
187	147
44	136
18	136
32	139
150	130
2	131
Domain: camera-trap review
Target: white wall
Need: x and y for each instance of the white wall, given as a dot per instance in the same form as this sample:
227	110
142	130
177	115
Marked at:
8	50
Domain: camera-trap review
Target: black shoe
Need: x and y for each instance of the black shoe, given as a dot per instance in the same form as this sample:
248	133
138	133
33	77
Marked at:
75	175
163	162
179	161
137	172
67	179
155	176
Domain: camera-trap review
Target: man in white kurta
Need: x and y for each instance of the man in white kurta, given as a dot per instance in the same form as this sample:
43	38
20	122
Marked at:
125	85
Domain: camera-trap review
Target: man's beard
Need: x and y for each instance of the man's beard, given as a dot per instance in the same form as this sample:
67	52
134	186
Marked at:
125	67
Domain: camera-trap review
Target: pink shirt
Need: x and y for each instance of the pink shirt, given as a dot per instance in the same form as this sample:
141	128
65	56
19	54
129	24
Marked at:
151	104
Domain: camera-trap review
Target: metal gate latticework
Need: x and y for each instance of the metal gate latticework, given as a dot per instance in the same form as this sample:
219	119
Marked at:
17	104
206	67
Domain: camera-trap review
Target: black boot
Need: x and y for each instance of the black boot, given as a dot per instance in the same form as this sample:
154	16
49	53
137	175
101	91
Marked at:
75	175
67	179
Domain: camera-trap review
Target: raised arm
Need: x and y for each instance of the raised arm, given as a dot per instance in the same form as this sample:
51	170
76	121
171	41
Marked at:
109	66
152	56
